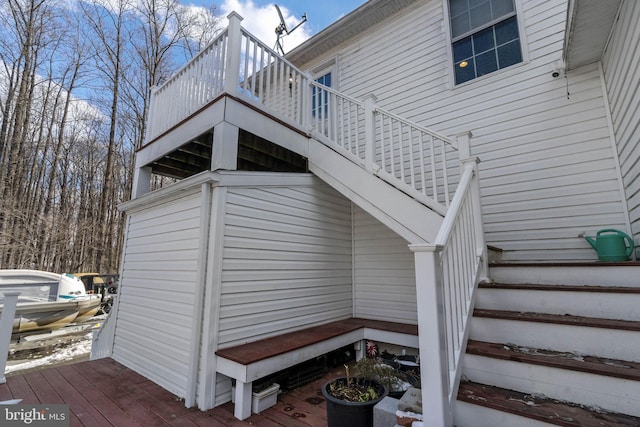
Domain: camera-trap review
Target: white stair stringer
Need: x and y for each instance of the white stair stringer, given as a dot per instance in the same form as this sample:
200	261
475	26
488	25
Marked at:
589	389
409	218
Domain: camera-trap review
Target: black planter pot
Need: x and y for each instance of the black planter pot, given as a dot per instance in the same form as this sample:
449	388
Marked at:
341	413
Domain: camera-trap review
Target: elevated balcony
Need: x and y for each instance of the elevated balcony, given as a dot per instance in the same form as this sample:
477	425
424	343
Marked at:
238	105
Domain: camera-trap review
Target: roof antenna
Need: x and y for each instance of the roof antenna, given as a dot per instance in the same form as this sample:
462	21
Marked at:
282	30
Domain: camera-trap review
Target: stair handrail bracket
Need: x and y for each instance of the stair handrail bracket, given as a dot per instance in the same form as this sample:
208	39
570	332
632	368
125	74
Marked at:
447	275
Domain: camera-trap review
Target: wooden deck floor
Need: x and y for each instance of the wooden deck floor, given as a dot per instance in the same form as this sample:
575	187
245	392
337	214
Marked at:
105	393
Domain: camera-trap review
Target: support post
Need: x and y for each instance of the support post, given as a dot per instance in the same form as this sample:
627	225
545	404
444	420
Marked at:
434	371
224	152
141	182
6	327
242	410
369	131
234	47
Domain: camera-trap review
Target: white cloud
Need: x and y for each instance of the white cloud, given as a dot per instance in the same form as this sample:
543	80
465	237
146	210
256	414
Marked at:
261	21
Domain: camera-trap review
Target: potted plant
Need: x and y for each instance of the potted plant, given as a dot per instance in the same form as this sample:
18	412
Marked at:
350	400
388	374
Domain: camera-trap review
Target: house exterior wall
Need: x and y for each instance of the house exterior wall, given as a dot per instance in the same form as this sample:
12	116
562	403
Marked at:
383	271
158	292
547	168
621	64
287	261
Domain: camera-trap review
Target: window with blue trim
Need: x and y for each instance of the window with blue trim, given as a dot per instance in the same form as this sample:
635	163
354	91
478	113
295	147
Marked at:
485	37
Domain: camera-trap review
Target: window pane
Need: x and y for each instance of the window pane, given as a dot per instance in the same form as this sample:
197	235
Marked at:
509	54
483	41
460	25
501	7
464	74
507	31
462	49
486	63
458	6
480	15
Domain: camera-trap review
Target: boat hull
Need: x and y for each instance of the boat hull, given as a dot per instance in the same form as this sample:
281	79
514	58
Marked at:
46	315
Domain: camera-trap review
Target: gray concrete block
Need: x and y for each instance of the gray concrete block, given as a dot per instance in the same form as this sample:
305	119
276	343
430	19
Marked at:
384	413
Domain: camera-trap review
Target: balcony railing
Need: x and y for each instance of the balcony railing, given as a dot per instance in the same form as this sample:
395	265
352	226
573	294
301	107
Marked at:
414	159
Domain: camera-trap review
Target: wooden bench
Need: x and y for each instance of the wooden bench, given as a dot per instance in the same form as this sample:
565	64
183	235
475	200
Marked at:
249	362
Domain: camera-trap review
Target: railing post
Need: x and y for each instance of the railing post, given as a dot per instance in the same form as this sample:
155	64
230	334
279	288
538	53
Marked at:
464	144
434	371
467	161
369	131
234	51
6	327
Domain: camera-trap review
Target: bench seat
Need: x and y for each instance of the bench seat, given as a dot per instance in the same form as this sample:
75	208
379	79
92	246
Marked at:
252	361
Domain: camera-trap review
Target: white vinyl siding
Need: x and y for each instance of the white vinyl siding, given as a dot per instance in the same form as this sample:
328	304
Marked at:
384	272
621	64
287	261
547	170
157	295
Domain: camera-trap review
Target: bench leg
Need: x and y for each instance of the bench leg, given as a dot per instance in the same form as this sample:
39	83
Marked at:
360	347
242	409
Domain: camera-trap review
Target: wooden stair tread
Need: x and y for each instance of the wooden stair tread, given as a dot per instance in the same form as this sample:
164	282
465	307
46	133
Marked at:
565	319
562	288
563	360
541	408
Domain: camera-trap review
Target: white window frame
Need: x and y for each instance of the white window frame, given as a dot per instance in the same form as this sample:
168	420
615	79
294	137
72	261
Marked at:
447	29
328	66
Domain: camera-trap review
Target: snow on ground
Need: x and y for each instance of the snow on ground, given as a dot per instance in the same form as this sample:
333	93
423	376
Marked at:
61	354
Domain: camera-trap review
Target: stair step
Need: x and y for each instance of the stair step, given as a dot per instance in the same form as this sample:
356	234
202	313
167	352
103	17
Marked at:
541	408
573	273
562	288
563	360
564	319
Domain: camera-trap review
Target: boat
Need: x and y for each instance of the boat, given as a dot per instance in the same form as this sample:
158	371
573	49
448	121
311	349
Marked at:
47	300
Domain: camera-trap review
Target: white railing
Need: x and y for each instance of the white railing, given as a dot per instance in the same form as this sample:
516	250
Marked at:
447	274
199	82
408	156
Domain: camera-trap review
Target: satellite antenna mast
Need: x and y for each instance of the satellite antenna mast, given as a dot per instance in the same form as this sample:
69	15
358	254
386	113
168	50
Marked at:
282	30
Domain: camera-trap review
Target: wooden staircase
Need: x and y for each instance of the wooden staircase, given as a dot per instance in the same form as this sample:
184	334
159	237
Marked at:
542	353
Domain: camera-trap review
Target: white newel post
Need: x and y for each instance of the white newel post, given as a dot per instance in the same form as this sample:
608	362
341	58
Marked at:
6	327
467	161
434	372
234	47
369	131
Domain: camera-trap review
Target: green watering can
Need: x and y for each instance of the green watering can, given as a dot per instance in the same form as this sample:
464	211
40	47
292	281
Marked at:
611	245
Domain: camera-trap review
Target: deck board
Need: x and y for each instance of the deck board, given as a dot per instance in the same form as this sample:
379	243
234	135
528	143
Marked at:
105	393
